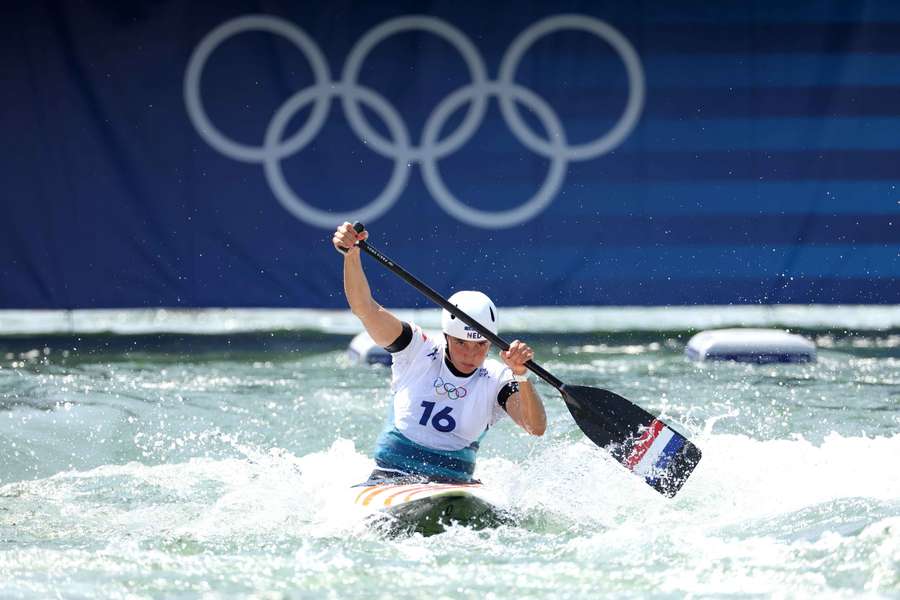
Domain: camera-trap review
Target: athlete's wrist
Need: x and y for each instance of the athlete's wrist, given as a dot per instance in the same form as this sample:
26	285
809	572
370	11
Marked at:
520	377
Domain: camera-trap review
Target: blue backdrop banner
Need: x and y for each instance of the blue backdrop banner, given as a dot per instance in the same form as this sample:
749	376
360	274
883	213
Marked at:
179	154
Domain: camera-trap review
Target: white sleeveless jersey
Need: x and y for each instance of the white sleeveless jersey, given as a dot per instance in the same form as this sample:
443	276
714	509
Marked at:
435	408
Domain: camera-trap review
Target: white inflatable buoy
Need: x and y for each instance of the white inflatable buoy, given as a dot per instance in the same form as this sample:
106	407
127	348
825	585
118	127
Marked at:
364	350
750	345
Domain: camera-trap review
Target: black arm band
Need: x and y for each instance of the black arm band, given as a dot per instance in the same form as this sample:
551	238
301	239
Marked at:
402	340
505	392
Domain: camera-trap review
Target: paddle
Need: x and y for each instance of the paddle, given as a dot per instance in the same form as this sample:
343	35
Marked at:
638	440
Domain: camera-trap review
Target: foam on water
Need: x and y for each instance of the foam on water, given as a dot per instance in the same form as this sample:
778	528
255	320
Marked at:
171	474
760	516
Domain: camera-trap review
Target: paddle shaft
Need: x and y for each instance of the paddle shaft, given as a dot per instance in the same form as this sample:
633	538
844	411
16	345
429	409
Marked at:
454	310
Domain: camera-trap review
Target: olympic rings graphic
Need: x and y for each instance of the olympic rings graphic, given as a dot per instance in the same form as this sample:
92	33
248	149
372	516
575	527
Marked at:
400	147
453	392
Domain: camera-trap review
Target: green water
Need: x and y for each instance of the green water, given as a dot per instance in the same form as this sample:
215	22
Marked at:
222	469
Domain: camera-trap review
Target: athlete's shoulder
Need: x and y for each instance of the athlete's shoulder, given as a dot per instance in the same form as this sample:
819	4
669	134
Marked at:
424	343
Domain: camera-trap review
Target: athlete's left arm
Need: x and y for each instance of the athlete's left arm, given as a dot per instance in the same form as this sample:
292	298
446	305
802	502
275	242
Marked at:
525	406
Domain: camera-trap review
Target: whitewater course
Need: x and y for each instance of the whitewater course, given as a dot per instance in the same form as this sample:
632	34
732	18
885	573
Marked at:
183	454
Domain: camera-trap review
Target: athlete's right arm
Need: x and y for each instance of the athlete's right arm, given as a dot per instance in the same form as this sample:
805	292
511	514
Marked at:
381	325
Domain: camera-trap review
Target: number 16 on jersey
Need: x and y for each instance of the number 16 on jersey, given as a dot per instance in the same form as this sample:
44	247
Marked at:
442	421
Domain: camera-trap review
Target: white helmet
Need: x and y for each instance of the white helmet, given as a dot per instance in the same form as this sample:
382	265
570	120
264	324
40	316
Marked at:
476	305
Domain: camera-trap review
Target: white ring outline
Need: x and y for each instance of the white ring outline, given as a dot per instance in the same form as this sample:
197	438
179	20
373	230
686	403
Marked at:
450	34
201	54
607	33
316	216
504	218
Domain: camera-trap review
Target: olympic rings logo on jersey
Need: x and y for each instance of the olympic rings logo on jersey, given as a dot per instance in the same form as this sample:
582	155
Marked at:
452	391
400	148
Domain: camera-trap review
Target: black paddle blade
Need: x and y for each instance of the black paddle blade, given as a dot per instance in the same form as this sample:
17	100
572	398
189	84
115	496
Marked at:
639	441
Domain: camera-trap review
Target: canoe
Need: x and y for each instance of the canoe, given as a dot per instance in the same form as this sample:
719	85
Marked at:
428	508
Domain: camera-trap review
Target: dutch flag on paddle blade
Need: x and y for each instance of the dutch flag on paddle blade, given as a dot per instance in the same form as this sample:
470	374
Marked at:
653	451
